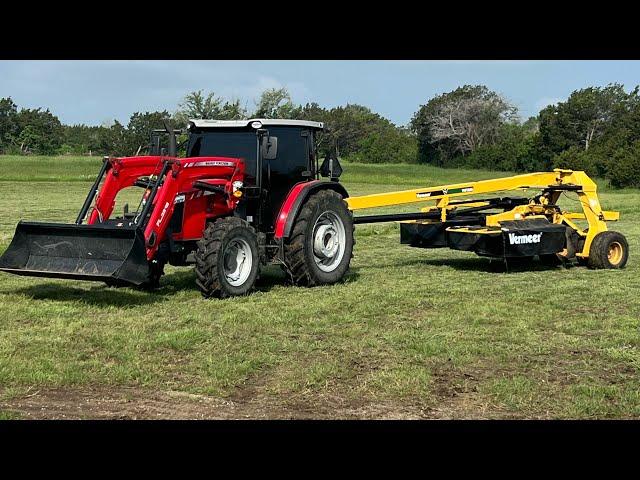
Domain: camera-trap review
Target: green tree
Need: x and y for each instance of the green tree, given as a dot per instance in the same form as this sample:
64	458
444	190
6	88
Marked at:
114	140
458	122
582	119
388	145
624	166
208	106
140	127
515	149
40	131
276	103
595	130
81	139
9	127
347	127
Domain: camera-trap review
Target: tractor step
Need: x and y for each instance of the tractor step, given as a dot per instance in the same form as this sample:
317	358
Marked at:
82	252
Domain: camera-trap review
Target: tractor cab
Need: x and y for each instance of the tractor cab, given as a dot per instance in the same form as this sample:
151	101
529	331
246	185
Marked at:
277	153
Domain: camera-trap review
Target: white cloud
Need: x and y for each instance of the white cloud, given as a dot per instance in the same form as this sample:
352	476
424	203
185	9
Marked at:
546	101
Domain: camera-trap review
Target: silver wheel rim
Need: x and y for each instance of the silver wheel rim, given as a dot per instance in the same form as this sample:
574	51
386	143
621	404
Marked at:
329	241
237	262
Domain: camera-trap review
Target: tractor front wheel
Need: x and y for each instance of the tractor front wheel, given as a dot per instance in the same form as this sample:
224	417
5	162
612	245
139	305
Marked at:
320	247
227	259
608	250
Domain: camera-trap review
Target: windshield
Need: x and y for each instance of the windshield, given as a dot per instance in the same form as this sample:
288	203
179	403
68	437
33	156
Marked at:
223	144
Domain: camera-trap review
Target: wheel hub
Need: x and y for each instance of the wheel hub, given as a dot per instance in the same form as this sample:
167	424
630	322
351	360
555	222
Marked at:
329	241
237	262
326	242
615	253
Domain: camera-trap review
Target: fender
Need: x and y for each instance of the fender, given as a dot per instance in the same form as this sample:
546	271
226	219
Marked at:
296	198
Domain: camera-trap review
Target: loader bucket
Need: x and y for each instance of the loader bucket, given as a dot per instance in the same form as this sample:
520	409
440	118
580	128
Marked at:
81	252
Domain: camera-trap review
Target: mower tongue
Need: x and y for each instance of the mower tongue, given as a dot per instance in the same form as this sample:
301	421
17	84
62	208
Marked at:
82	252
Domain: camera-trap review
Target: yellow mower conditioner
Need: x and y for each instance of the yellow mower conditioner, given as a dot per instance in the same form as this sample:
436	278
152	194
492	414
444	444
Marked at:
508	227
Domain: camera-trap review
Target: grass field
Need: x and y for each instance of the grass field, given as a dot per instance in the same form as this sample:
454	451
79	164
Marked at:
411	333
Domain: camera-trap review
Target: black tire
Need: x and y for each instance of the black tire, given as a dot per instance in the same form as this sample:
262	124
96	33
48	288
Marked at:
299	256
210	257
608	250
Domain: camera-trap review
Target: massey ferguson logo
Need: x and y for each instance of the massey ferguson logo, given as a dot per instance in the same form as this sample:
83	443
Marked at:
520	239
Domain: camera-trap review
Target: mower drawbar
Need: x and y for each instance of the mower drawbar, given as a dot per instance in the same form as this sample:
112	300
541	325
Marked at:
82	252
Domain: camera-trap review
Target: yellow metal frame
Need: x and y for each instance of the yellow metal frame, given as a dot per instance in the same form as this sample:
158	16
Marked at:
540	206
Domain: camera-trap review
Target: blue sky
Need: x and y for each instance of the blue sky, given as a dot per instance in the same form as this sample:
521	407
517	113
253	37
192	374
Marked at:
94	92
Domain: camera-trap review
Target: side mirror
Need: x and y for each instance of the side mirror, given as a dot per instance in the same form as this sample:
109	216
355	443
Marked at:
269	147
331	168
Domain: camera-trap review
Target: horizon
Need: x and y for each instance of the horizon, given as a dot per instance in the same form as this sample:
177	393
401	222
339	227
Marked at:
97	92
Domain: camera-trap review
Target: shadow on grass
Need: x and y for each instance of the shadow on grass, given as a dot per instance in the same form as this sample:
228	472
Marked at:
470	264
99	295
185	279
181	280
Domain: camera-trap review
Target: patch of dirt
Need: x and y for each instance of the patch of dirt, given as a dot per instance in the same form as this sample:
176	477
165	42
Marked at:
130	403
458	396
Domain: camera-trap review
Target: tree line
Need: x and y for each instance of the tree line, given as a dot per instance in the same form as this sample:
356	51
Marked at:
596	129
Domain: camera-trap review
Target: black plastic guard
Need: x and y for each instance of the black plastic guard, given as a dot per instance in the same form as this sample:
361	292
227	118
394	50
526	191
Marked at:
517	238
81	252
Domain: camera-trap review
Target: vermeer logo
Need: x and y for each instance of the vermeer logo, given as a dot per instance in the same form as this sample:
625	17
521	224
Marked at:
520	239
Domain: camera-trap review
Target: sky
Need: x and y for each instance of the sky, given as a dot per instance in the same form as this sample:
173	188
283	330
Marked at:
96	92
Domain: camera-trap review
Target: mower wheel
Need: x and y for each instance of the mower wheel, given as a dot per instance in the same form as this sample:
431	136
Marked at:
227	258
608	250
320	247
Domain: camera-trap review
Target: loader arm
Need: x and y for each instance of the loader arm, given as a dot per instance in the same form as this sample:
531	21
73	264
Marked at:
173	177
122	250
122	173
215	175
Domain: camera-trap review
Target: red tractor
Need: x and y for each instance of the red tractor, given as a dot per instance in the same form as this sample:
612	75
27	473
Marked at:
247	194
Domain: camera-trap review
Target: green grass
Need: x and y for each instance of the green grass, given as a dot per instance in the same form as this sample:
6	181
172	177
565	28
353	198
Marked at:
434	329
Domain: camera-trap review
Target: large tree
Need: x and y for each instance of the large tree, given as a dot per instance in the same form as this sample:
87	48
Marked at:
276	103
9	127
208	106
584	117
40	131
458	122
140	127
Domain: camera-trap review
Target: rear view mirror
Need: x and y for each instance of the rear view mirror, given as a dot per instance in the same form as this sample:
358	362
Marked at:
269	147
331	168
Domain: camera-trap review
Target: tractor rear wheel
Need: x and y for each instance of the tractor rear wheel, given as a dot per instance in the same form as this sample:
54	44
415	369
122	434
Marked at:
320	247
608	250
227	259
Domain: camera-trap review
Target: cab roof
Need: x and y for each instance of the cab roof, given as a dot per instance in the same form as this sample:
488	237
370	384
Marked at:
201	123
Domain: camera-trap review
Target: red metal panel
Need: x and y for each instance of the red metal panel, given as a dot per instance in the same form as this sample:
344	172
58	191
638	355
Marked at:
288	204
